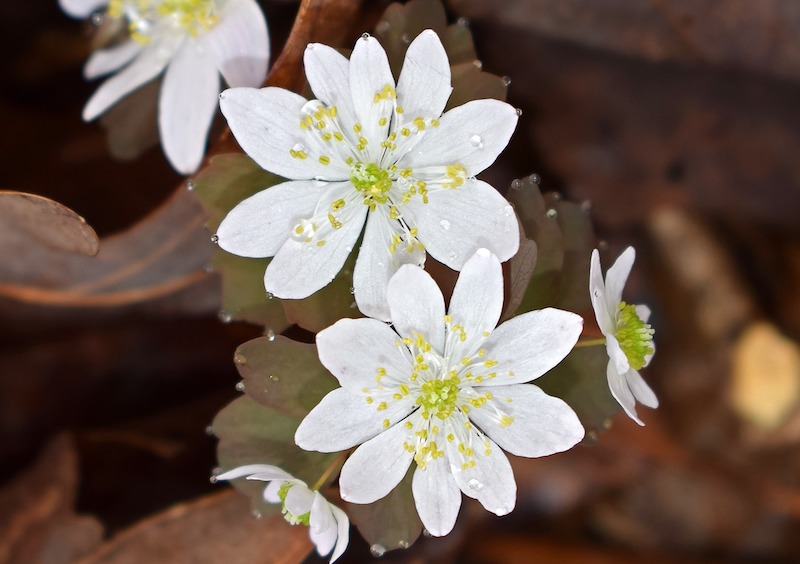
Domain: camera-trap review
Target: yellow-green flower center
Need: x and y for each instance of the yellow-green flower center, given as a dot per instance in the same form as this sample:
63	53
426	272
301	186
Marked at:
635	337
438	397
290	517
191	16
372	181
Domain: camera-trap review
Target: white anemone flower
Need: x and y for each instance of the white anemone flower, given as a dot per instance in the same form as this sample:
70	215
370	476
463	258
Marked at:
446	391
629	338
195	41
370	151
329	527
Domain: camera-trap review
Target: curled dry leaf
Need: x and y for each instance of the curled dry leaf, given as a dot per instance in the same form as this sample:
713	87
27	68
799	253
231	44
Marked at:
28	220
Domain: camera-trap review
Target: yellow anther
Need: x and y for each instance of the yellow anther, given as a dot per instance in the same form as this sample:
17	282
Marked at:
325	160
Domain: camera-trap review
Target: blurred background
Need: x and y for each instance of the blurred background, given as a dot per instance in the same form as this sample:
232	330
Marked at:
676	122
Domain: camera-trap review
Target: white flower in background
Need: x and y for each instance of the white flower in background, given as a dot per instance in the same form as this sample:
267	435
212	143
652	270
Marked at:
329	527
368	150
629	339
195	41
444	391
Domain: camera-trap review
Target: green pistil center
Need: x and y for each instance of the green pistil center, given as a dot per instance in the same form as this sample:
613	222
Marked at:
635	337
290	517
438	397
371	180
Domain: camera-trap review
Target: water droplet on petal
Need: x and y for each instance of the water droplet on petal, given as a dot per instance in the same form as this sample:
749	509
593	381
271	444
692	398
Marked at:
310	47
426	532
365	35
377	550
476	141
222	95
298	147
535	178
516	184
414	130
452	256
406	38
596	293
519	112
382	27
352	290
506	81
209	430
353	305
224	316
240	386
98	18
556	196
212	479
215	238
189	185
304	230
477	64
591	437
552	213
464	22
402	182
348	248
270	335
507	210
270	296
239	358
274	378
403	543
474	484
445	225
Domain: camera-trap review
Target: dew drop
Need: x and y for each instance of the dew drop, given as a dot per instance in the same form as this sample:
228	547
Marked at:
452	256
270	335
607	424
270	296
240	386
348	248
190	185
379	264
352	290
298	147
406	38
377	550
476	141
586	206
215	238
506	81
445	225
207	268
602	245
519	112
403	543
477	64
596	293
365	35
224	316
256	514
426	532
210	431
303	230
98	18
557	196
463	22
239	358
507	210
402	182
503	510
414	130
474	484
212	479
552	213
483	252
382	27
516	184
353	305
222	95
535	178
591	437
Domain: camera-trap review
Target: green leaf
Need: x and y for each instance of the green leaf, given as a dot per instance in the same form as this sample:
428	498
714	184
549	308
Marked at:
252	433
391	522
580	380
283	374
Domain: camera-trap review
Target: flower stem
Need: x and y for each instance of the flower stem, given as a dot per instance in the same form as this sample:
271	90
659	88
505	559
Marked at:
329	470
591	342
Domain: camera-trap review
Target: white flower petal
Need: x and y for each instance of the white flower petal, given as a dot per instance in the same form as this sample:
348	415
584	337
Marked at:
643	312
328	74
264	471
491	480
424	84
342	420
641	391
104	61
541	425
477	301
342	532
376	467
472	135
353	350
299	500
81	8
266	123
369	74
597	293
324	540
301	268
616	354
321	518
457	222
272	490
186	105
618	384
437	497
530	344
417	305
260	224
616	277
376	264
146	67
239	43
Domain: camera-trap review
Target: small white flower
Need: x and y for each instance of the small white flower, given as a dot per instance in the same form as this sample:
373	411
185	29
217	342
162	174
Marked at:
442	391
368	150
329	527
195	41
629	339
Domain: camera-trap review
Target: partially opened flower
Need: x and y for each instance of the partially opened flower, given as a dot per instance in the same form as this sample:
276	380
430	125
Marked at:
329	527
368	151
629	338
445	392
195	41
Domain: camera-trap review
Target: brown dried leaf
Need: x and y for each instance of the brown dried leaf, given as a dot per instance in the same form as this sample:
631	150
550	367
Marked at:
215	528
25	218
37	519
